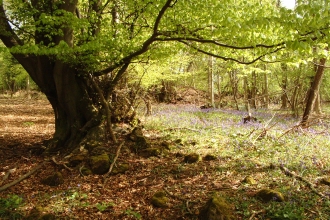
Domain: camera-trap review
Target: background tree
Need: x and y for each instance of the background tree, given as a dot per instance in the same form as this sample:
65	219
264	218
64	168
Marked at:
71	48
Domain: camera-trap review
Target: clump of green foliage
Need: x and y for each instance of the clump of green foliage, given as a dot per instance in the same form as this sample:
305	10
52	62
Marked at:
9	207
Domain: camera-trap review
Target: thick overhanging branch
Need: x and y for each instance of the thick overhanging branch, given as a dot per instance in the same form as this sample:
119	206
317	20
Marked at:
7	34
214	42
230	58
145	47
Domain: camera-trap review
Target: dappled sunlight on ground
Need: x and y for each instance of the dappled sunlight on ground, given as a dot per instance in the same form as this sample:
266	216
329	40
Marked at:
239	150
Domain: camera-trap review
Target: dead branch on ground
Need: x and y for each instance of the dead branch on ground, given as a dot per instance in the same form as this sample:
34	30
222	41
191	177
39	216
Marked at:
112	164
4	187
298	177
256	213
263	132
5	177
300	127
195	130
62	164
186	202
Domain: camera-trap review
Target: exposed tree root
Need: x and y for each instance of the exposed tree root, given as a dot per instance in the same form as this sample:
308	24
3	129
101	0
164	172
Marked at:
105	105
113	163
4	187
62	164
309	184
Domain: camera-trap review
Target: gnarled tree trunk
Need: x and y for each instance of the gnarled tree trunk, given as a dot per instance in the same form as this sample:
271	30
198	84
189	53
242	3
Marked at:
64	85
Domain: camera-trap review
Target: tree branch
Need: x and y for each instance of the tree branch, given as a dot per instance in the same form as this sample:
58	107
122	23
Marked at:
145	47
4	187
309	184
112	164
7	34
199	40
230	58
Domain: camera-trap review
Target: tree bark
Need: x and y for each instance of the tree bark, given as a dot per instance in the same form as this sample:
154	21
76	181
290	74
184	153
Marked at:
284	85
313	92
211	81
234	85
265	91
65	86
254	90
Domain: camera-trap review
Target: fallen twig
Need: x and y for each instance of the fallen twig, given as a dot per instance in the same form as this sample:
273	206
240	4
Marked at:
179	198
80	170
61	163
309	184
264	131
299	126
256	213
4	187
113	163
5	177
195	130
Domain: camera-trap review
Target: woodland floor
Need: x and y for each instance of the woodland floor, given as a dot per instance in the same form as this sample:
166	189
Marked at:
24	124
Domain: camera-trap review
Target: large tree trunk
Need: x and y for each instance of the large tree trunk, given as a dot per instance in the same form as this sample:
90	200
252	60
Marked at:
71	100
313	92
65	86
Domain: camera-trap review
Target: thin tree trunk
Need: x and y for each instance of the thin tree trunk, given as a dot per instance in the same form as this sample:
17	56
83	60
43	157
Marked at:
254	91
246	95
312	94
219	90
265	92
210	81
234	85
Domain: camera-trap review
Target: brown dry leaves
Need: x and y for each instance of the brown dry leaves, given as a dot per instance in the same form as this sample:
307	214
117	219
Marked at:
25	123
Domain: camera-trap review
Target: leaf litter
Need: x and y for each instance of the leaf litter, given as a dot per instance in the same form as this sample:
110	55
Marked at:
24	124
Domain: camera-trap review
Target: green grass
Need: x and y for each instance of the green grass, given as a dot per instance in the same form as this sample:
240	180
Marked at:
223	133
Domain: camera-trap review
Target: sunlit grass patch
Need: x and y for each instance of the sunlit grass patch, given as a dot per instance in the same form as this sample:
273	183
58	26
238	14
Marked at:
257	149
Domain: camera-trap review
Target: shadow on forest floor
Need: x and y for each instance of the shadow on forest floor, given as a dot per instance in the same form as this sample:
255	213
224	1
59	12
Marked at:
240	151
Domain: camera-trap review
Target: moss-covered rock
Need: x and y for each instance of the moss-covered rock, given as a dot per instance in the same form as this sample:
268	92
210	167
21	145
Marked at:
85	171
47	216
90	145
150	152
216	208
137	131
121	168
209	157
100	164
54	179
94	134
178	141
141	143
179	154
35	213
268	195
98	151
249	180
160	200
191	158
75	160
325	181
166	145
